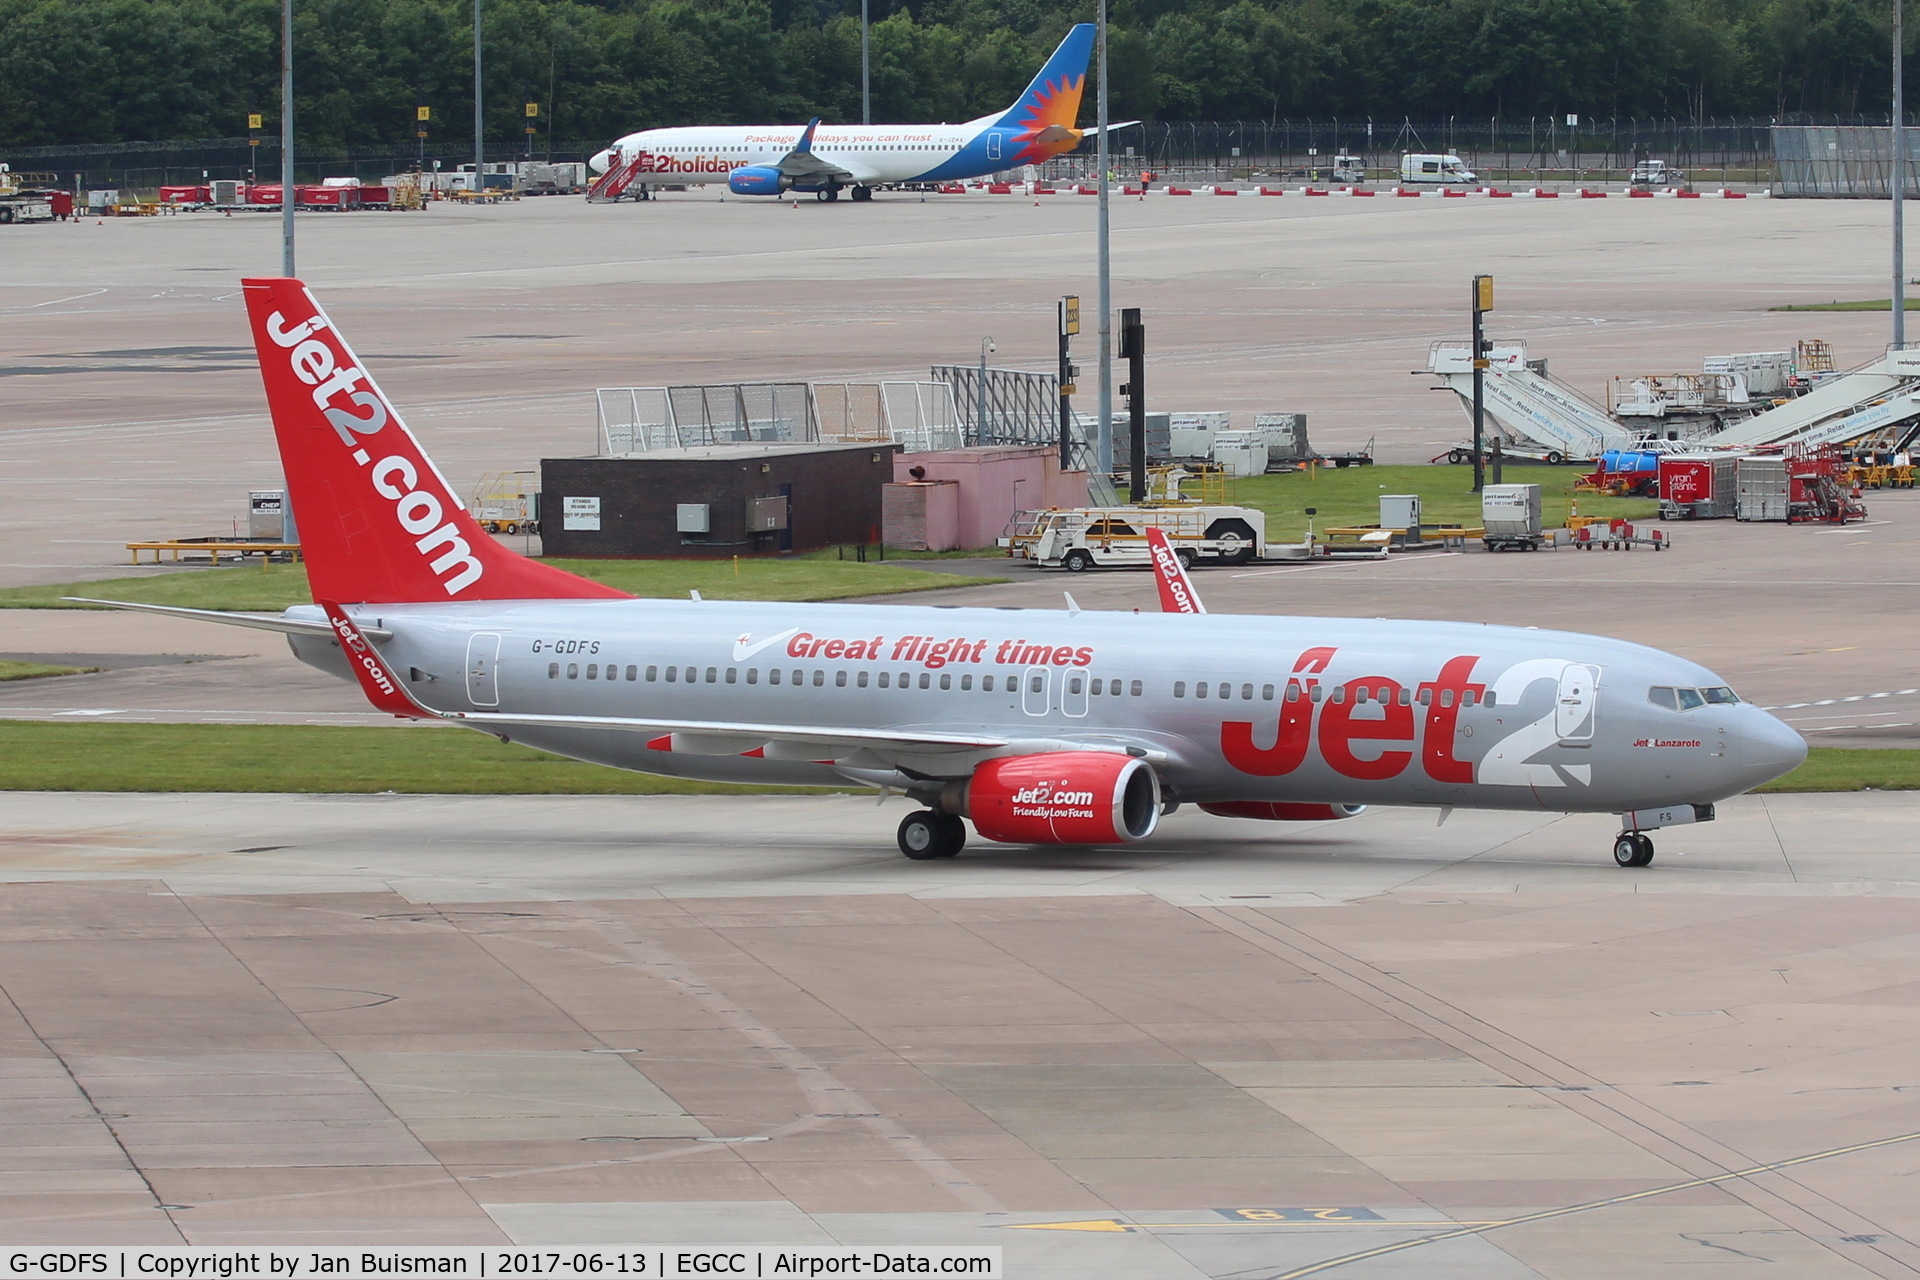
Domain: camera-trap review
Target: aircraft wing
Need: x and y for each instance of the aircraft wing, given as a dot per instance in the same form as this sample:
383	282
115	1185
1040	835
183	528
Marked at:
802	165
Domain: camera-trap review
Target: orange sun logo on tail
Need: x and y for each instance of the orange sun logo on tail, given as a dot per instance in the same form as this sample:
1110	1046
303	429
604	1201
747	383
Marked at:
1045	119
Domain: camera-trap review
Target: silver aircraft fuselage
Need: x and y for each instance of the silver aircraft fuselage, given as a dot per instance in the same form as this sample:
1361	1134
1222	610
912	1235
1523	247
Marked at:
1228	707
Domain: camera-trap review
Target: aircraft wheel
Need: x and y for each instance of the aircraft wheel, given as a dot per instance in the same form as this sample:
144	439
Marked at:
954	833
926	835
1077	561
861	194
1633	849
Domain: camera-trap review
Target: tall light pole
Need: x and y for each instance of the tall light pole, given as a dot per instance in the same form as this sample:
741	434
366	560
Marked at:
1103	429
980	398
286	138
479	129
866	70
1899	185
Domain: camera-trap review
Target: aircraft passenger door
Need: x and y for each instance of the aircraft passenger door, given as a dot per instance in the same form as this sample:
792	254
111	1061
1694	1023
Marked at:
1073	692
1036	689
1573	713
993	144
483	669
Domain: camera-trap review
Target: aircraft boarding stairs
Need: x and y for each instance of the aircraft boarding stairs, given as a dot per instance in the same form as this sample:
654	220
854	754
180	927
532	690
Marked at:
613	184
1527	407
1877	397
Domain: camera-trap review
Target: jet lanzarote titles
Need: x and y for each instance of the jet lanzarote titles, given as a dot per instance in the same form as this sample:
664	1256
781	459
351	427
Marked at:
1036	726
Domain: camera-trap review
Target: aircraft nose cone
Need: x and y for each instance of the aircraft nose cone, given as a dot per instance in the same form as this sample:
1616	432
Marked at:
1767	748
599	162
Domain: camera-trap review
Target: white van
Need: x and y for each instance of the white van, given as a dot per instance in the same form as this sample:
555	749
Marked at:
1434	168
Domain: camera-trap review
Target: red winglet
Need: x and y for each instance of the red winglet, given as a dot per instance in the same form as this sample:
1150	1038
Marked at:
1176	588
378	522
382	687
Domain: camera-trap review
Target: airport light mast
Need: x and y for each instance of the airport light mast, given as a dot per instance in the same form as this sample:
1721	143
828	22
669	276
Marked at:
479	133
1898	303
286	139
1103	428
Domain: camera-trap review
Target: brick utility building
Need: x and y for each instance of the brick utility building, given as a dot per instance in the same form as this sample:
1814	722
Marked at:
716	500
952	498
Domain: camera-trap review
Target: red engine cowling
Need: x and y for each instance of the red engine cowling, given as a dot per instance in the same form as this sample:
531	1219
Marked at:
1269	811
1064	797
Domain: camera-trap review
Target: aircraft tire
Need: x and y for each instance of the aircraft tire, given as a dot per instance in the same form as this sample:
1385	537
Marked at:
925	835
862	194
1633	849
954	832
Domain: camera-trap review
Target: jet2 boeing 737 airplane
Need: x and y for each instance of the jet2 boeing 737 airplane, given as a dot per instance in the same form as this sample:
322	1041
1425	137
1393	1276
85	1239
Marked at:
766	160
1075	727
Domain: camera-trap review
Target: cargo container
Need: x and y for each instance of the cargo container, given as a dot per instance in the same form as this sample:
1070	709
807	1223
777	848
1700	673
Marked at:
1286	436
1698	486
1510	514
1190	435
1764	489
326	197
1240	453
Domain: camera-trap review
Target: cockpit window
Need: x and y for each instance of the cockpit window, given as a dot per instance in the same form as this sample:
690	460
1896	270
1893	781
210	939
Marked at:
1662	696
1720	696
1690	698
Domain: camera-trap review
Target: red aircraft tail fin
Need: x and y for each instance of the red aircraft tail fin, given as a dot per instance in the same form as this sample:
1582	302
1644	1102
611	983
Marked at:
1176	588
378	523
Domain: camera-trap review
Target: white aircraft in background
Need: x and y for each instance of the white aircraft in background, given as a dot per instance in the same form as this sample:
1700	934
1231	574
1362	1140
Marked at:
1040	727
767	160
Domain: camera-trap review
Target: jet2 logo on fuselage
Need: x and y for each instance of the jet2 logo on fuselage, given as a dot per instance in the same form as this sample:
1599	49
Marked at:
746	646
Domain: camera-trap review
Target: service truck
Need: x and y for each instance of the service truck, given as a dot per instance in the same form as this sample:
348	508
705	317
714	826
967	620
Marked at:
1444	168
1081	538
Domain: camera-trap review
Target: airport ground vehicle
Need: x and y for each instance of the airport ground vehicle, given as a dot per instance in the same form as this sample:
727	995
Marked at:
1435	167
1656	173
28	197
1081	538
1076	727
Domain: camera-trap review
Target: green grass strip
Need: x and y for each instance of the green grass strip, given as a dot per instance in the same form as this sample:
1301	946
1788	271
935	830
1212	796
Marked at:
437	760
276	586
35	670
1844	769
321	759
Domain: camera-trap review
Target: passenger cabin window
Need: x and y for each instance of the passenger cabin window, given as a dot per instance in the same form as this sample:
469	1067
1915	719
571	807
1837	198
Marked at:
553	671
1138	688
1179	688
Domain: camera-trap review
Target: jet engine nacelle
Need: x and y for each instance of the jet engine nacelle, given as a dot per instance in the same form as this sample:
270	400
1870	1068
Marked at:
1268	811
1065	797
756	180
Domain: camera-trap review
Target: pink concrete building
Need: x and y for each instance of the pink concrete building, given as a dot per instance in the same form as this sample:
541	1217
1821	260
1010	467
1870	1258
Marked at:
954	498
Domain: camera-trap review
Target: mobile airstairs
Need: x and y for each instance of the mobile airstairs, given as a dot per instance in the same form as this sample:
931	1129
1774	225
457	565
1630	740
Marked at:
1528	409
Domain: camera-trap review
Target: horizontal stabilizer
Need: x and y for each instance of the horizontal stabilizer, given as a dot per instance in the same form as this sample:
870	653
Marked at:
258	621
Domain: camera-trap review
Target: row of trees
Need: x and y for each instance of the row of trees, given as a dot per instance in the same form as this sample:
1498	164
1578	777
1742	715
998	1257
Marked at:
93	71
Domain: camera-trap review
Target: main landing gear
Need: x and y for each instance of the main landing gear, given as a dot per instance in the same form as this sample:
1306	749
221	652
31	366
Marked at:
861	194
1633	849
927	834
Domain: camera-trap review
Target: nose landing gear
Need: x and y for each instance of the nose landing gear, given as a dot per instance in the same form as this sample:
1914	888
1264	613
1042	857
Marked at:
927	835
1633	849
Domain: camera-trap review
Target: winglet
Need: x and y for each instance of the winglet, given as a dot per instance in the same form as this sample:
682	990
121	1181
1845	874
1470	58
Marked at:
382	687
1176	588
804	147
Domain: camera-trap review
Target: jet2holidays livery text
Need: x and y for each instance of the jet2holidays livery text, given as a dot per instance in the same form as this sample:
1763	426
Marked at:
1072	727
767	160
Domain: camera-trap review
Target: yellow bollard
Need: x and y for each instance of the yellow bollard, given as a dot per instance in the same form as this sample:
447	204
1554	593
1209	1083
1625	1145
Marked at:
736	566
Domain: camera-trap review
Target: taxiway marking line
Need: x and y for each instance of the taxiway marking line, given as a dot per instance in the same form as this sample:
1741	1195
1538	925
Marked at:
1319	1268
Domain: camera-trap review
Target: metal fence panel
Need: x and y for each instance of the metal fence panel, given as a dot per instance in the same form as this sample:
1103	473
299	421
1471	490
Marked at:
1839	161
